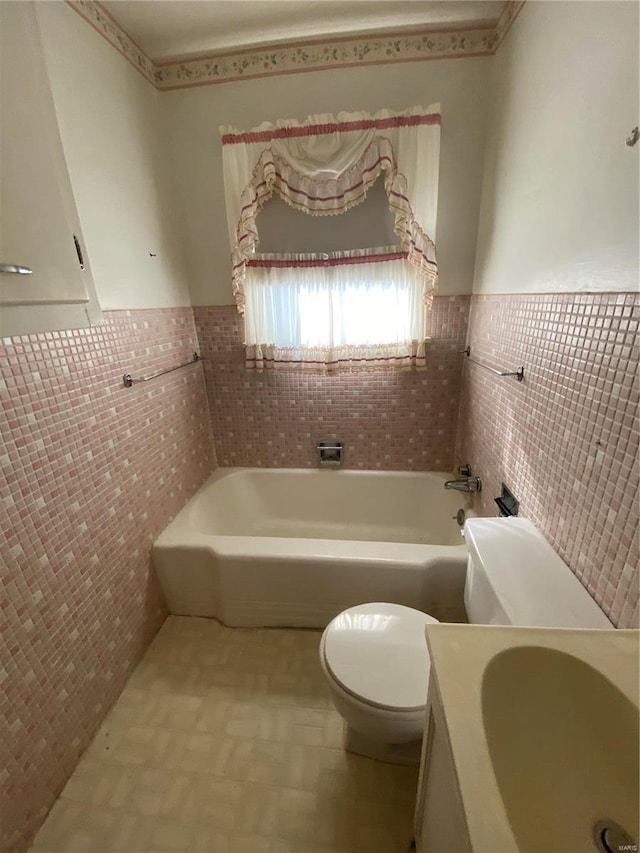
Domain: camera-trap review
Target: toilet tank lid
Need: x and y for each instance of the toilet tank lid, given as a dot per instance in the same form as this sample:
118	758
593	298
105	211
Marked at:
534	585
378	653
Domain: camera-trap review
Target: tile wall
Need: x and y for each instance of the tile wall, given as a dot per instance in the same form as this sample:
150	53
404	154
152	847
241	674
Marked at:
90	472
387	420
565	440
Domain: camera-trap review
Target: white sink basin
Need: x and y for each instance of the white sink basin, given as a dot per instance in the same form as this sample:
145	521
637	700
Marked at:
543	730
563	743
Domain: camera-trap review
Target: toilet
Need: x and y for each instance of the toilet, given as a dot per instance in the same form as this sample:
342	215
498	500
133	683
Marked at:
377	666
374	655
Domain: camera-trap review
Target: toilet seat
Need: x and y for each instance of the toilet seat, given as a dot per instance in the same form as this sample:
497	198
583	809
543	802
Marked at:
378	653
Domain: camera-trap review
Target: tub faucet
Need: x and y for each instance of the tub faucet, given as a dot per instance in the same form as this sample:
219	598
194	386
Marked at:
469	484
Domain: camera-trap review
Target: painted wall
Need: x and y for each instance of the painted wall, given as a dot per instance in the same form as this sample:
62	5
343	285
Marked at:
560	191
109	120
560	214
190	129
370	223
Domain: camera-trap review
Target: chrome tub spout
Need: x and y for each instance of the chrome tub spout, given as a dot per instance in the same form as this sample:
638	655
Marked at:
469	484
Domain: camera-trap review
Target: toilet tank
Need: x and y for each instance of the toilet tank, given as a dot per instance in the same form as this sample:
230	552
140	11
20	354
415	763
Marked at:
514	577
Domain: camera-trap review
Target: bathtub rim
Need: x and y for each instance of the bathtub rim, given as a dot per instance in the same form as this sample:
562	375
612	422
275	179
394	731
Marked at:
229	544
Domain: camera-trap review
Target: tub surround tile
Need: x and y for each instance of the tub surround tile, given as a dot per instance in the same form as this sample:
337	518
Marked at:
243	753
90	473
565	441
387	420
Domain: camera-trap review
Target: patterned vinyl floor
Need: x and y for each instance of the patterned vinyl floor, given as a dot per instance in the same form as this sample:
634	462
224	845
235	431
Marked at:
225	740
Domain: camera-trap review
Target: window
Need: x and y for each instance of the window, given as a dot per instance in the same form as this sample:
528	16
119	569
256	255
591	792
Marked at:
360	307
330	311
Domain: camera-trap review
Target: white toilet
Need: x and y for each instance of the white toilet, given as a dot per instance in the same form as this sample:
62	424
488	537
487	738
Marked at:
375	656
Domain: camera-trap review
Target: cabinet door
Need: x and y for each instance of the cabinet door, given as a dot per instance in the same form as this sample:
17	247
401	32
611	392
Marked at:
39	223
439	822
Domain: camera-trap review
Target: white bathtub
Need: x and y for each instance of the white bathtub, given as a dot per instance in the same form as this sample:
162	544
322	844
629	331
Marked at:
289	547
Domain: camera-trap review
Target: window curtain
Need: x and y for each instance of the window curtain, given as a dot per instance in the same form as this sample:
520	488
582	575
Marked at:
363	308
324	166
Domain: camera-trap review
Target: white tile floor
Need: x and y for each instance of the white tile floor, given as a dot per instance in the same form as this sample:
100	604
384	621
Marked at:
225	740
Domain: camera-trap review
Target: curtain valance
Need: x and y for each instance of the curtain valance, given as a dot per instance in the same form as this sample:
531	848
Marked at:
325	165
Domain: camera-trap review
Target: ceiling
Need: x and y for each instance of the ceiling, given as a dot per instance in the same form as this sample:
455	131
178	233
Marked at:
169	29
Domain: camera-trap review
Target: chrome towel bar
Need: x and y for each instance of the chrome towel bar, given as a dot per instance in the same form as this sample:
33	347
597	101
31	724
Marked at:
519	372
129	380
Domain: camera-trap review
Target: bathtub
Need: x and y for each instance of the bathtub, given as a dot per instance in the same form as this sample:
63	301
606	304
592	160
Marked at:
292	548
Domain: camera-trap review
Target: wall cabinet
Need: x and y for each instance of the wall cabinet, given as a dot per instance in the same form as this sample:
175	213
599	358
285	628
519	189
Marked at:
39	224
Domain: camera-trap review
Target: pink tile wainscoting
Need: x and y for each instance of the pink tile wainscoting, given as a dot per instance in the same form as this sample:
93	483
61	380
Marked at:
386	419
90	473
565	440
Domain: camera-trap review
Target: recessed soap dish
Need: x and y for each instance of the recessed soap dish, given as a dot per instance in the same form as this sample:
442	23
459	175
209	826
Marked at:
329	454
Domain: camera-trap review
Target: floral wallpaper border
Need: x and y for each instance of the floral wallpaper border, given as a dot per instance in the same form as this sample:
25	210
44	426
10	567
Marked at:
295	58
509	14
289	59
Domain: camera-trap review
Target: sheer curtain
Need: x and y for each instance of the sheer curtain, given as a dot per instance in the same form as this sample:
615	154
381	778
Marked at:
324	166
335	310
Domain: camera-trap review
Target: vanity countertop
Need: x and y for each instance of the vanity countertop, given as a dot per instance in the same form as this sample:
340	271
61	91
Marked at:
542	725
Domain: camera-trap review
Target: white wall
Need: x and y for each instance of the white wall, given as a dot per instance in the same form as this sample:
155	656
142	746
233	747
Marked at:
370	223
109	122
191	118
560	192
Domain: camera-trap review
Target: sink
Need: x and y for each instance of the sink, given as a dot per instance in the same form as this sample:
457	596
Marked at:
541	726
563	742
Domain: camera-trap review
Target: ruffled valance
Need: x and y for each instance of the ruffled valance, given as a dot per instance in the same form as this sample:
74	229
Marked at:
325	165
